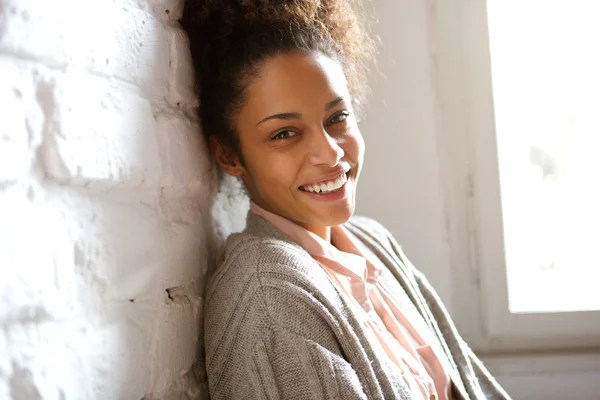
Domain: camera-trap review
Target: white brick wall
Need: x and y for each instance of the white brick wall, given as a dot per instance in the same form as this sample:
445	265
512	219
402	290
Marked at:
107	200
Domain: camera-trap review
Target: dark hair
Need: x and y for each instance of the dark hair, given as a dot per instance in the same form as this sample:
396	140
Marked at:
230	39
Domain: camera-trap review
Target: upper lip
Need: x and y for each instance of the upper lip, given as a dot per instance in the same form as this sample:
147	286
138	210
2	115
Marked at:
327	177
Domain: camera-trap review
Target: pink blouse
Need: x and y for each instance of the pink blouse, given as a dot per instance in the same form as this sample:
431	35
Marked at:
357	278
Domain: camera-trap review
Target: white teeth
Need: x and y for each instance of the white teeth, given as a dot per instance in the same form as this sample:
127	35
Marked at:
328	187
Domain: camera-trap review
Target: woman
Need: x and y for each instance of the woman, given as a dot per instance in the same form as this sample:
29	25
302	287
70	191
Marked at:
309	301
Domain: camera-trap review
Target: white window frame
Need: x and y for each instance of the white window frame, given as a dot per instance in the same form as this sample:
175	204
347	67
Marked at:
468	156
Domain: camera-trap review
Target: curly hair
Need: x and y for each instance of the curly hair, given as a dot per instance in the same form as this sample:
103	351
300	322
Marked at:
230	39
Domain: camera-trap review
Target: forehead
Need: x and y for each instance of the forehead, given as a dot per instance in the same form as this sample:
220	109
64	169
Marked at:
290	82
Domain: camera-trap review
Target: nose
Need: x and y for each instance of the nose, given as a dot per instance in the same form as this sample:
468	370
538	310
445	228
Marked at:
325	149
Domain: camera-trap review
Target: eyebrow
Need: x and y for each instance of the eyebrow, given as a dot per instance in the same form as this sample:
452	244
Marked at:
294	115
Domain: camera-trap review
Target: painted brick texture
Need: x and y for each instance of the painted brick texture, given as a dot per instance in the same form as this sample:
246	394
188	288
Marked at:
110	213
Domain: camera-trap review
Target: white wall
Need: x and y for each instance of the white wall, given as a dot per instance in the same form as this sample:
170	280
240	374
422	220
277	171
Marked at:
107	206
400	183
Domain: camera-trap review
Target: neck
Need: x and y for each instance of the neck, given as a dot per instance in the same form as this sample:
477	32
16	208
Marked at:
324	232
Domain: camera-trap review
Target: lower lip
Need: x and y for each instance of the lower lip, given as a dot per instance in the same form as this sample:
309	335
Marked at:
337	194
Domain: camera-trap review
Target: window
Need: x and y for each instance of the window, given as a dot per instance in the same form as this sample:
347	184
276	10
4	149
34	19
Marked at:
546	88
527	94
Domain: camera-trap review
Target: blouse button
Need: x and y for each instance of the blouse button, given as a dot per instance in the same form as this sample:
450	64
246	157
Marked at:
433	396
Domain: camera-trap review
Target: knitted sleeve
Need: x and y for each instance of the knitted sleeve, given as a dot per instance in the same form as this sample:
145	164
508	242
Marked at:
284	365
270	336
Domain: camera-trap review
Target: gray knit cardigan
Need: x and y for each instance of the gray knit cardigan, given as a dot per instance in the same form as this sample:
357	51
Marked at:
276	327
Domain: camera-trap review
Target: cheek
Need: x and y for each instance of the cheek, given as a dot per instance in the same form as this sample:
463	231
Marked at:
274	174
356	145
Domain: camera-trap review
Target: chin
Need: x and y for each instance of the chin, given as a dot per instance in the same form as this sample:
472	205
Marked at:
338	217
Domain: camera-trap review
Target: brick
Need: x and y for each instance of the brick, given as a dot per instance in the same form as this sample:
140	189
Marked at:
167	11
181	93
167	353
107	198
183	153
115	40
21	122
35	242
97	132
72	359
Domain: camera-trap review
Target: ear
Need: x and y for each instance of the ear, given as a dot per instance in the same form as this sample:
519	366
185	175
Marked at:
227	160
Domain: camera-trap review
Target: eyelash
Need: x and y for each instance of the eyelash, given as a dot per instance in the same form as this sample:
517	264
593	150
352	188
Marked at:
331	121
345	114
276	136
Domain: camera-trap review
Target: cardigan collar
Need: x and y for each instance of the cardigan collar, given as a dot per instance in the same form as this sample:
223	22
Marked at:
259	226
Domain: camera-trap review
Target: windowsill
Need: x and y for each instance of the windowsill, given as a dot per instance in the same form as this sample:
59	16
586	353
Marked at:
541	363
547	376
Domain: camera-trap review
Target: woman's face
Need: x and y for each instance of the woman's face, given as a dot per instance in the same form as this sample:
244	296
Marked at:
298	137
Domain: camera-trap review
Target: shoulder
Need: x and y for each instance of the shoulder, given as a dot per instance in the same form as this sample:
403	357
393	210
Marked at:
249	257
262	284
262	275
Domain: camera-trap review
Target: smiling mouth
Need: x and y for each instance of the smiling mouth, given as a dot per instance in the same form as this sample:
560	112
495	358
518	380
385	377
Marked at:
327	187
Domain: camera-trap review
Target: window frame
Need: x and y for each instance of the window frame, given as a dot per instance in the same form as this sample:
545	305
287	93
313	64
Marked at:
470	175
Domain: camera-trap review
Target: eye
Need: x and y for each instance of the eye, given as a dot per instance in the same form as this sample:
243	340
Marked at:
285	134
339	117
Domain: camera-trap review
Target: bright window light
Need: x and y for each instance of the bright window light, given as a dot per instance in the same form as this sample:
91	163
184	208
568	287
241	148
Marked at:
546	83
